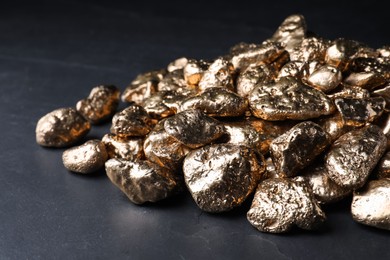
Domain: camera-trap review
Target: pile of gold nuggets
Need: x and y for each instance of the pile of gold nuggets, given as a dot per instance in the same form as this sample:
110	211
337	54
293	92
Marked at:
295	122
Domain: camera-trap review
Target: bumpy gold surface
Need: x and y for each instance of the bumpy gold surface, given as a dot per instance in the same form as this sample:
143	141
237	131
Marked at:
219	74
371	206
193	71
354	155
193	128
100	104
141	181
383	167
291	32
288	99
281	203
61	128
334	126
325	78
86	158
172	81
298	147
251	76
221	176
341	52
310	49
131	121
128	148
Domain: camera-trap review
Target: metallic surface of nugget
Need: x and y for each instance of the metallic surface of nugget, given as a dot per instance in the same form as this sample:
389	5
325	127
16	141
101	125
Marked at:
291	32
289	99
141	181
219	74
325	78
340	53
298	147
218	102
61	128
353	156
128	148
193	128
86	158
371	205
172	81
383	167
244	134
100	104
281	203
251	76
221	176
310	49
177	64
193	71
131	121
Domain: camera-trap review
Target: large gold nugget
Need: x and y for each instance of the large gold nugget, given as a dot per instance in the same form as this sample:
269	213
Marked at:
163	149
100	104
325	78
291	32
141	181
324	189
298	147
218	102
131	121
61	127
371	206
281	203
86	158
354	155
219	74
193	128
289	99
358	112
251	76
221	176
143	86
128	148
383	167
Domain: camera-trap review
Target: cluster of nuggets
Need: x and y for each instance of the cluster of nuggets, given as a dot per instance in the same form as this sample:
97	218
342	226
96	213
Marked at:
298	121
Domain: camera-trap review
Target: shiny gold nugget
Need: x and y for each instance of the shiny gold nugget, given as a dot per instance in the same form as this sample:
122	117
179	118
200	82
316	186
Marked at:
131	121
358	112
61	127
251	76
281	203
246	135
371	206
163	149
310	49
289	99
325	78
298	147
141	181
218	102
341	53
86	158
123	147
221	176
291	32
324	189
172	81
177	64
219	74
100	104
193	128
334	126
194	70
383	167
354	155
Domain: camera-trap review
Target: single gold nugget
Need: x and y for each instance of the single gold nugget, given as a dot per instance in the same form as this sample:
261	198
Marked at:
193	71
334	126
141	181
383	167
310	49
325	78
143	86
291	32
219	74
371	205
354	155
131	121
251	76
289	99
281	203
100	104
86	158
163	149
218	102
221	176
341	53
245	135
193	128
128	148
61	127
295	69
173	81
324	189
358	112
298	147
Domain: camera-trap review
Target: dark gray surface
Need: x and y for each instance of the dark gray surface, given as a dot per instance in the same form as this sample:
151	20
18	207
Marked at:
52	55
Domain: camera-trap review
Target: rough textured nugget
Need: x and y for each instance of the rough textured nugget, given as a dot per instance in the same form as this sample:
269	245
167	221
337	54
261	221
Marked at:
219	74
341	52
310	49
280	203
383	167
123	147
251	76
193	71
141	181
291	32
221	176
86	158
325	78
61	128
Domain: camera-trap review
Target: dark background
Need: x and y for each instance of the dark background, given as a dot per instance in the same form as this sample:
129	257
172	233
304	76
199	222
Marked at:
52	53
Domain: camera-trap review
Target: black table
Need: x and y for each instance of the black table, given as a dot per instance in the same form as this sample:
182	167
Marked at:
53	53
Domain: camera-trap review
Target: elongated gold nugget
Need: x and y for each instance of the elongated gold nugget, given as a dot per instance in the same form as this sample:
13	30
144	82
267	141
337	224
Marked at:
221	176
61	128
86	158
291	32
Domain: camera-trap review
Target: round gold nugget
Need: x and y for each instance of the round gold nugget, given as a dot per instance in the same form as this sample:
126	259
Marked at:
61	127
221	176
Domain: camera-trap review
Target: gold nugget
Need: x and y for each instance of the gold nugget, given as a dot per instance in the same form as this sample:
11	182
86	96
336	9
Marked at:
123	147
